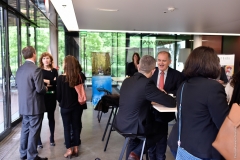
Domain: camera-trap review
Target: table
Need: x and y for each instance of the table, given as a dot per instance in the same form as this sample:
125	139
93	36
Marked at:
162	108
118	79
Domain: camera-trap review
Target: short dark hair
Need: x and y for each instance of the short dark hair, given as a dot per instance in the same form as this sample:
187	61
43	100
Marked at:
147	64
28	52
202	62
165	52
137	56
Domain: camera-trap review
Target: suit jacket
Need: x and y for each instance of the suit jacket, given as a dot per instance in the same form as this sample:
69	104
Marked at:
31	89
136	95
172	82
204	108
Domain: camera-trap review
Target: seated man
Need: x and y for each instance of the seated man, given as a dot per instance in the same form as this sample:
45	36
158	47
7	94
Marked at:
136	95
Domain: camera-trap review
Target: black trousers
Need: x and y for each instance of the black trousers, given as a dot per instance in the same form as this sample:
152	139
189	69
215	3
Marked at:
51	123
72	119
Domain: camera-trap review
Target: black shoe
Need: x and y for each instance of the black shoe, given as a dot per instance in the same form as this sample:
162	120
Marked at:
23	158
52	144
39	158
40	146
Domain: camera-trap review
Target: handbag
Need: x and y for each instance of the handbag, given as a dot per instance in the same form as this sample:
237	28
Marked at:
182	154
82	98
228	138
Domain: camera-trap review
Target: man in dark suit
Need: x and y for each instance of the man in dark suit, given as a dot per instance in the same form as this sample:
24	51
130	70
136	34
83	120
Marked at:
136	95
167	80
31	91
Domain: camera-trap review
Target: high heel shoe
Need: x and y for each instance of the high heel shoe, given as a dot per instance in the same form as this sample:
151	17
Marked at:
75	151
68	153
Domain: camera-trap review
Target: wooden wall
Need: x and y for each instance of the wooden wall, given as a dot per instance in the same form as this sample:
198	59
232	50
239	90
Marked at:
231	45
214	42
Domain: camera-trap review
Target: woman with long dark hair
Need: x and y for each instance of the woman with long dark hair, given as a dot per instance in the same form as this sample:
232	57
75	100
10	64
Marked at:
71	110
132	66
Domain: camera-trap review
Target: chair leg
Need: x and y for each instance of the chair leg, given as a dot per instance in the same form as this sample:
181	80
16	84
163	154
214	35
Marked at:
147	158
108	123
124	148
99	116
143	147
111	129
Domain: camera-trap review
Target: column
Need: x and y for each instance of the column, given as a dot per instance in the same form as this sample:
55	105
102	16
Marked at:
53	48
197	41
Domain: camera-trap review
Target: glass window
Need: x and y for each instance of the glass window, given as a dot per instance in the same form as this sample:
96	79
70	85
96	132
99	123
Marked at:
1	71
180	65
23	37
121	47
133	47
148	46
61	50
13	61
13	3
23	7
31	36
42	41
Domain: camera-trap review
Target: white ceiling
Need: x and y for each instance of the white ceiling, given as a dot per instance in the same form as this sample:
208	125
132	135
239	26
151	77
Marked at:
210	16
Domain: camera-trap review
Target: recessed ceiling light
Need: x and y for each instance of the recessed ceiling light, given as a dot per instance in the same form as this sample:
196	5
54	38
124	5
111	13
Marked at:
107	10
171	9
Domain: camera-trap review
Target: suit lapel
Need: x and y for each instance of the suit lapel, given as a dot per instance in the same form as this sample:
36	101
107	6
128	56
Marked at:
168	79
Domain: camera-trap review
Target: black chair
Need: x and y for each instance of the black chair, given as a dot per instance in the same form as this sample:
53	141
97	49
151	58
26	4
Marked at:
99	116
112	100
129	136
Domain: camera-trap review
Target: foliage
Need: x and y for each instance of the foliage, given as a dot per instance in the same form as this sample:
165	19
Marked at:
114	43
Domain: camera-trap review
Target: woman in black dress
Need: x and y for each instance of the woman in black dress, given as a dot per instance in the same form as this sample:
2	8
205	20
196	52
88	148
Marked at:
132	66
50	75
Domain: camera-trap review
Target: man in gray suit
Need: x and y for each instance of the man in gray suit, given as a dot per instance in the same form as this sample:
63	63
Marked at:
31	91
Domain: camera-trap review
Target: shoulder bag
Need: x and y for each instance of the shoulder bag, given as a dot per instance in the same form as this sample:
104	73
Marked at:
182	154
228	138
82	98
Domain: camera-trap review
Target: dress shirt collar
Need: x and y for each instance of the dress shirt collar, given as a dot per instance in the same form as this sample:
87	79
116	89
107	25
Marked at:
30	61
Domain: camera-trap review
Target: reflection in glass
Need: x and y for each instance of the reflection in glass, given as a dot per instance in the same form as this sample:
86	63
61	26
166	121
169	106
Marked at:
13	61
42	41
1	69
113	43
23	7
13	3
31	36
23	37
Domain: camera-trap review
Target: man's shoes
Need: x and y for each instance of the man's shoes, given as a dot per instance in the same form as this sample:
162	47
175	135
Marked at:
39	158
23	158
133	156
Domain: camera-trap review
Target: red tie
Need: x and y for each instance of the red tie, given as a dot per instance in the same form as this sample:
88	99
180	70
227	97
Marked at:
161	81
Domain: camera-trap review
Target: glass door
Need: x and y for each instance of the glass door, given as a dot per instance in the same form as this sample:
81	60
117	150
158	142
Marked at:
13	64
1	71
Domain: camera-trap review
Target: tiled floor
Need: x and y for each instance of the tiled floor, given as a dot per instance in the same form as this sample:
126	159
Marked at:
91	147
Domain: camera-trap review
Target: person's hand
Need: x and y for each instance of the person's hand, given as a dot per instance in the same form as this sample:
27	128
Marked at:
163	90
46	81
220	81
46	88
